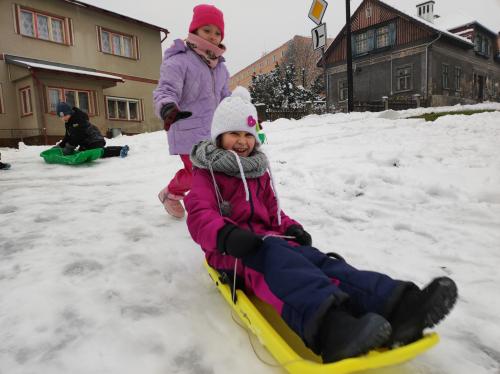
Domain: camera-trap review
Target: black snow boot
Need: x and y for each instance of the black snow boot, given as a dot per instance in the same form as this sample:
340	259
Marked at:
343	336
420	309
4	166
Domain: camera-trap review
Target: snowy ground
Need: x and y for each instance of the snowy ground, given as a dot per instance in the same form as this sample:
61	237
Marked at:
96	278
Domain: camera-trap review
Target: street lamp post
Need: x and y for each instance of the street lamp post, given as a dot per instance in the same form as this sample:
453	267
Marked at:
350	104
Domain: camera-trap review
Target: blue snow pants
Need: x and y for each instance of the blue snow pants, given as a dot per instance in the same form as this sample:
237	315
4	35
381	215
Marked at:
302	283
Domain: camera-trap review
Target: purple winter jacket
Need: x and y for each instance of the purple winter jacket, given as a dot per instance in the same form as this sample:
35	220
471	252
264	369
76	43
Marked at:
187	81
258	215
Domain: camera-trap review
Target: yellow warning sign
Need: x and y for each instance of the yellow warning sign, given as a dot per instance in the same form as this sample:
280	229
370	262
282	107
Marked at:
317	11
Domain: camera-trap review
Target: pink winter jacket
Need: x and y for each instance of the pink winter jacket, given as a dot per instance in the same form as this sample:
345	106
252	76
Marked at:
259	214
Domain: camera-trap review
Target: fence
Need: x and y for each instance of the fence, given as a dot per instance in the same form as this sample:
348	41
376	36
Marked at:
366	106
387	103
274	114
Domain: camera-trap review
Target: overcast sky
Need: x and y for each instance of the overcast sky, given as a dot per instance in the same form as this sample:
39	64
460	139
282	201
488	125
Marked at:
258	26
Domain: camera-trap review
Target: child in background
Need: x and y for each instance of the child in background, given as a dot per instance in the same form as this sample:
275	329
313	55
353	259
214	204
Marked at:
235	216
193	81
82	134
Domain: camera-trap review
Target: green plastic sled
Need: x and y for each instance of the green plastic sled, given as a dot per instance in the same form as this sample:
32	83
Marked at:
55	156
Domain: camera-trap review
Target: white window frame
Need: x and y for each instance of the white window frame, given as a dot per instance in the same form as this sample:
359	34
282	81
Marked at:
343	90
62	97
458	78
34	15
445	75
406	78
382	36
122	36
368	12
26	102
362	43
115	116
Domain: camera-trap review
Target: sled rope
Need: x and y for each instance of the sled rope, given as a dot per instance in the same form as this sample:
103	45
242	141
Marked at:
272	364
247	331
234	281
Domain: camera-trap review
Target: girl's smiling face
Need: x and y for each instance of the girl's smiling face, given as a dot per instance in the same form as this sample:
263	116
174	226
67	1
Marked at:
241	142
210	33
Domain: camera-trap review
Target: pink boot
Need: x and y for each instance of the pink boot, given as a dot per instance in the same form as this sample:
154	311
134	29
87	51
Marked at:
172	203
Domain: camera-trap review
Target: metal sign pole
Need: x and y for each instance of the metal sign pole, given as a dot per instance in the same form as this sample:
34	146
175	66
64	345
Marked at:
325	78
350	96
319	39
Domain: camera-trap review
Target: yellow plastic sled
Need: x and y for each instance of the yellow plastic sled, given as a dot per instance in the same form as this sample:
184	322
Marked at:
289	350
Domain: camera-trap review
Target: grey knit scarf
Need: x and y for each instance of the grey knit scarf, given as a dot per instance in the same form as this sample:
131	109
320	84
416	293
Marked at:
206	155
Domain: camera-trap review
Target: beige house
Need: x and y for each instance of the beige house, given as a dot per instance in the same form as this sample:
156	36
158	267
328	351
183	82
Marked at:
62	50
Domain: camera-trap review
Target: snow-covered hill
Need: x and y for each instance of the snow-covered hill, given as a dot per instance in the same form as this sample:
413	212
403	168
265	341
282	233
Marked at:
96	278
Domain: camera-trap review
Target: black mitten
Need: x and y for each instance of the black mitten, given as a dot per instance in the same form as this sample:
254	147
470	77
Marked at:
301	236
170	113
68	149
237	242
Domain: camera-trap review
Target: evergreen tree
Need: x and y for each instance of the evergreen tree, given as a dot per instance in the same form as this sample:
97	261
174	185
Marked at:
278	90
318	86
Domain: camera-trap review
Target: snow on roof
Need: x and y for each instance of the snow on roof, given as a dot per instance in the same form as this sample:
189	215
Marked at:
453	21
464	31
396	5
72	70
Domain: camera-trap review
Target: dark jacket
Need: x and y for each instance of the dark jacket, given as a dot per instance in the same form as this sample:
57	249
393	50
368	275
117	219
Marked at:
80	132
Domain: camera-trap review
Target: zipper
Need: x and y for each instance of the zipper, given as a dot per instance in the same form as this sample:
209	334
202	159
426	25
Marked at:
213	85
250	200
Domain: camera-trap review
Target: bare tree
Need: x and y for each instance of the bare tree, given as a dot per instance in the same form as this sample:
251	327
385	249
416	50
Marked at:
300	53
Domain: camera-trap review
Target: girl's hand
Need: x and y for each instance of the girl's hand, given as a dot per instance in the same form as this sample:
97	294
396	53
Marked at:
301	236
171	113
237	242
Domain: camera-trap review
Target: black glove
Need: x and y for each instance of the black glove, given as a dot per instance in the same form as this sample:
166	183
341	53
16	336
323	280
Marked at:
301	236
68	149
237	242
170	113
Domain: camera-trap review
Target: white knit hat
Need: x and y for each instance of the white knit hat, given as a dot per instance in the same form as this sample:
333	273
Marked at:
235	113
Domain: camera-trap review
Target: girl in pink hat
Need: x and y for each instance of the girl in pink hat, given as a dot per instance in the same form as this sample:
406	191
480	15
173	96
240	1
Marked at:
193	81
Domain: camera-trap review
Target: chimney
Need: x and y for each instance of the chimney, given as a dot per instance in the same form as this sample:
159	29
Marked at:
426	10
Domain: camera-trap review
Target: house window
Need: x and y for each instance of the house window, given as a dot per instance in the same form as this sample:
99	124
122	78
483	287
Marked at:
123	109
362	43
403	78
83	99
274	58
2	110
368	12
42	26
25	98
343	90
117	43
383	39
482	45
446	83
458	78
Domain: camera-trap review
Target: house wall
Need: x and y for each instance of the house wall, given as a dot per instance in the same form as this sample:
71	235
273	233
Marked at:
471	64
375	76
414	45
263	65
10	117
141	75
